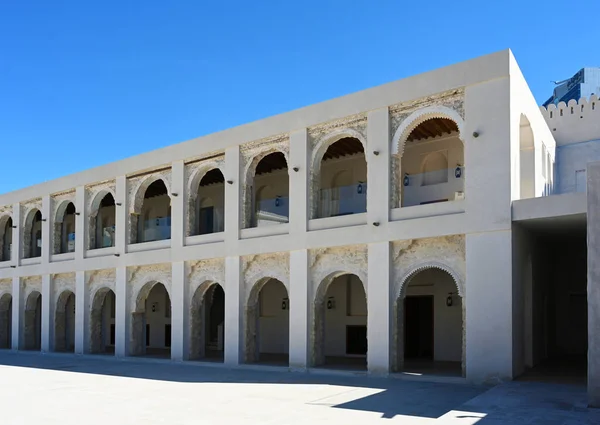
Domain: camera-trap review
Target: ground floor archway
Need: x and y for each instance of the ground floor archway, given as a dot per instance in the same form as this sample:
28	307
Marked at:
340	323
64	322
207	322
151	322
32	322
429	326
6	321
267	322
102	322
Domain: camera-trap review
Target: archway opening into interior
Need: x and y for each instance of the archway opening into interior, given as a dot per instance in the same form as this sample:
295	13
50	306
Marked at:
154	223
340	320
32	323
270	191
430	325
343	179
64	323
432	164
102	323
6	245
268	323
6	321
64	230
207	317
210	204
32	240
151	322
102	224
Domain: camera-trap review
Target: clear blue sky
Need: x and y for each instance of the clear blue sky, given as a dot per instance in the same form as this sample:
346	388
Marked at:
85	84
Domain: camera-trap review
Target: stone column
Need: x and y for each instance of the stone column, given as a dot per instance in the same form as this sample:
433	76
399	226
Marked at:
378	168
179	312
299	306
233	310
18	305
47	313
81	221
46	229
593	282
122	212
299	151
122	314
178	212
16	236
378	308
232	194
489	318
82	313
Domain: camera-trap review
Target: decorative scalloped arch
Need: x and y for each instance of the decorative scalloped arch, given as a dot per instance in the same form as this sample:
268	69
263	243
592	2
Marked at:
326	281
144	291
140	191
199	173
420	116
410	273
329	139
259	284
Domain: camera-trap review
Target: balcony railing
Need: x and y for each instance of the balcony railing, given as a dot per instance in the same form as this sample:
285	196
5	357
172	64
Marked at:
435	186
108	237
343	200
272	211
156	229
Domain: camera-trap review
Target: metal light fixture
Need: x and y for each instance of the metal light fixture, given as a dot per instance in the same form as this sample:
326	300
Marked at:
296	169
405	180
449	300
330	303
229	181
174	194
278	200
284	304
458	171
359	188
375	153
154	307
118	204
376	223
475	134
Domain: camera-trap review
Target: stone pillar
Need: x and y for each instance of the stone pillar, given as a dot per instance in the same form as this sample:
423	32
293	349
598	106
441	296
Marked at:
81	221
232	194
233	310
299	151
179	312
378	168
178	212
489	318
593	282
47	313
299	306
46	229
16	236
18	305
122	315
378	308
82	313
121	212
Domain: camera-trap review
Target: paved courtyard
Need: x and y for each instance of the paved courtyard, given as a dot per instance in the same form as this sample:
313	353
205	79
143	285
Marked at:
68	389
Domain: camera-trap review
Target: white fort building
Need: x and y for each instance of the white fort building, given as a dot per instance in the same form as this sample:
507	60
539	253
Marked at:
433	225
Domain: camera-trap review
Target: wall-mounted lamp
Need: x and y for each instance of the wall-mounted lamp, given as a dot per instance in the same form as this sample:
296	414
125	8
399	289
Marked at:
449	300
405	180
117	255
296	169
14	227
229	181
375	153
284	303
118	204
13	267
154	307
278	200
175	194
475	134
359	188
458	171
376	223
43	219
330	303
77	213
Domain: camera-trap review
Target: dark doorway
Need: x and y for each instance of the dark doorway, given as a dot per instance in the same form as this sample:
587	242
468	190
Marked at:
418	327
356	340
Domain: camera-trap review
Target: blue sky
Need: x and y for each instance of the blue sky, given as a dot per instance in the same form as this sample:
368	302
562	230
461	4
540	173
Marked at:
85	84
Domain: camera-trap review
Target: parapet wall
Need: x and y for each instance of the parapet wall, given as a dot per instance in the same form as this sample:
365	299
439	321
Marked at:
574	122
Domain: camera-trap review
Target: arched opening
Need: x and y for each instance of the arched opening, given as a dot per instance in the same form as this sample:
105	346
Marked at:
155	216
151	322
430	325
6	239
102	323
526	159
432	163
207	323
268	323
270	191
64	230
64	322
32	235
210	204
32	324
6	321
102	224
340	323
343	179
